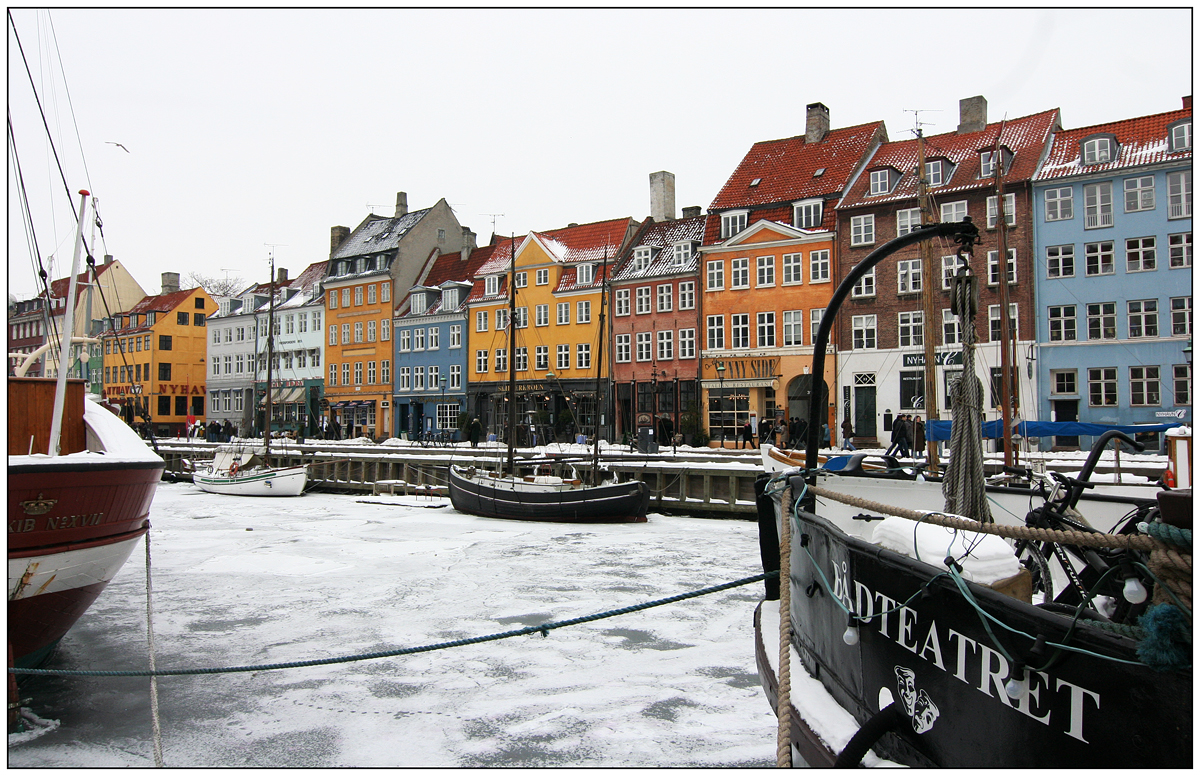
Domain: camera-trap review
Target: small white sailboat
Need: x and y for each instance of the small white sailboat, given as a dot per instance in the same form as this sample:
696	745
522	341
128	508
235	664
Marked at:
247	471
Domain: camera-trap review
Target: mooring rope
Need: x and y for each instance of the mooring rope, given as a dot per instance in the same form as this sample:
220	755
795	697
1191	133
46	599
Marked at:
154	719
543	629
783	695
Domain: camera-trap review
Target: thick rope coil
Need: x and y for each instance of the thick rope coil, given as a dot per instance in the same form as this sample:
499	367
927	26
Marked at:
783	706
1168	533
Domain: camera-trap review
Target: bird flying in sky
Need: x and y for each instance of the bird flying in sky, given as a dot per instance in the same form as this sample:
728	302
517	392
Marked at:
118	145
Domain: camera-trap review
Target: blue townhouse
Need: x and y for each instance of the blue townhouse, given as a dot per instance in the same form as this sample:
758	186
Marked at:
431	344
1113	243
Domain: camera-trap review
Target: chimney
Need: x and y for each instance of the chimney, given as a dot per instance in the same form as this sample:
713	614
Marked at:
337	236
1187	102
281	276
972	114
401	204
662	196
468	243
817	124
108	259
692	212
170	282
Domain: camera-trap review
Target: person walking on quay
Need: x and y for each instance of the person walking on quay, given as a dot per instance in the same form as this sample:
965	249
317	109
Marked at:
918	437
747	435
848	434
800	437
474	431
899	438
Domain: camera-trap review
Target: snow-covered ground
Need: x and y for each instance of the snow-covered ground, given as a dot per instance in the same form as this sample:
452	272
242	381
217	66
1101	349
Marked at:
242	581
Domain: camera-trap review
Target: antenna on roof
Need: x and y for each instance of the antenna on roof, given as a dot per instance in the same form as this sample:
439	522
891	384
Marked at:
493	215
917	123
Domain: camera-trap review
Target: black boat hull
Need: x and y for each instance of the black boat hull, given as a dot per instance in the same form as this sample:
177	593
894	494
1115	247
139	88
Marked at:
624	502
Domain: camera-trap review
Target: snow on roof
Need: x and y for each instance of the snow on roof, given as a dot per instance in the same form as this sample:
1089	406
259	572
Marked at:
378	234
662	236
1141	141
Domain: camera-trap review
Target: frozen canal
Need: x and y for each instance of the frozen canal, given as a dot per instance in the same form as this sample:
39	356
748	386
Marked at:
240	581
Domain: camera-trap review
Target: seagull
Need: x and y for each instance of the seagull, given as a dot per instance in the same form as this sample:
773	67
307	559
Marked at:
118	145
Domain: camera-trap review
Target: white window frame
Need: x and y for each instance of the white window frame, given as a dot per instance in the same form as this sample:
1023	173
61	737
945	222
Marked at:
645	346
666	345
907	220
862	229
910	329
791	267
1139	193
583	311
732	222
765	329
793	328
1010	211
687	294
863	330
1059	204
739	331
687	343
808	213
1097	205
666	294
715	275
1179	194
865	287
953	212
1060	261
909	277
819	266
714	328
621	302
623	349
739	273
642	300
993	265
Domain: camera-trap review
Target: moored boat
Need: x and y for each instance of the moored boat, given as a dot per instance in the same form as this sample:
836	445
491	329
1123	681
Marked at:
243	472
547	498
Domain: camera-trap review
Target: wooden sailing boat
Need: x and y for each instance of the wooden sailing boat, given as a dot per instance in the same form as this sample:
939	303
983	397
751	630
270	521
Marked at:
238	471
542	497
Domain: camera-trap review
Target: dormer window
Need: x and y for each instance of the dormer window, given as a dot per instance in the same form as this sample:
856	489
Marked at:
882	181
418	303
681	253
1181	136
450	299
585	275
807	214
987	164
936	172
491	285
1097	150
733	222
641	258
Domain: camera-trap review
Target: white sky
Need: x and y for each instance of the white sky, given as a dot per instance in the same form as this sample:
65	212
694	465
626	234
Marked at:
249	127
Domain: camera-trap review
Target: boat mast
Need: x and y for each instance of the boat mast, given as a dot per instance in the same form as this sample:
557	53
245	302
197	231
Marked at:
599	369
927	271
1006	361
66	335
270	356
512	361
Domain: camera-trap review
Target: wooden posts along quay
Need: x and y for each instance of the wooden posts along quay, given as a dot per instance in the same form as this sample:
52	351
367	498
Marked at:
696	481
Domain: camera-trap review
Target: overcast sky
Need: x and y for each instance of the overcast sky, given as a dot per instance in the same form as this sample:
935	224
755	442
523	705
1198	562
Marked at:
253	127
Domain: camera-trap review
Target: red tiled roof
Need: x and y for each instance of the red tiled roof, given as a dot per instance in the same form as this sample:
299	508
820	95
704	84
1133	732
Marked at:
1025	138
571	244
59	288
786	168
1143	140
161	302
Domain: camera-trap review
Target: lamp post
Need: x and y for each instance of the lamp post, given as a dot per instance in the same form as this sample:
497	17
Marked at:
721	400
550	405
442	380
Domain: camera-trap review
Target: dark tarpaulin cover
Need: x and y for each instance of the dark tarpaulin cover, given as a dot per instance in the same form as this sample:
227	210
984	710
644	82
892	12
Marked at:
939	430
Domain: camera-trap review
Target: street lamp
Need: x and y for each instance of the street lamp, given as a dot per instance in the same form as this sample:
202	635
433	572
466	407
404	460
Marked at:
721	400
442	380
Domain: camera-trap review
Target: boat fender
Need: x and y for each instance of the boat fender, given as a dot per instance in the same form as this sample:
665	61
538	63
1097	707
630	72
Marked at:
889	719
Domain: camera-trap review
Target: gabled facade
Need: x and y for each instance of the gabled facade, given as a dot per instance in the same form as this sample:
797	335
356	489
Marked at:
431	348
881	328
560	280
1112	221
766	272
368	268
655	317
154	357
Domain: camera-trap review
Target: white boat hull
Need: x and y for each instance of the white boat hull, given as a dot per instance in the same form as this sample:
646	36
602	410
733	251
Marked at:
288	481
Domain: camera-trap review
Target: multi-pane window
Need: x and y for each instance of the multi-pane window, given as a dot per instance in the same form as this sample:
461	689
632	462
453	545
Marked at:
1060	261
880	181
863	329
501	319
522	280
641	259
951	333
908	276
666	295
456	335
994	267
715	327
501	359
385	294
346	333
358	296
481	361
1102	320
491	285
643	346
585	275
766	330
953	212
818	266
481	320
346	372
435	336
807	215
732	223
385	329
911	329
1180	246
793	328
666	345
455	376
934	172
1181	316
687	343
1181	136
371	294
739	272
766	270
333	339
907	220
1010	211
371	331
562	357
1139	193
1139	254
371	365
583	356
792	266
333	302
1098	258
1143	318
715	276
419	337
680	253
642	296
687	295
1102	386
1062	323
541	313
1143	386
563	313
522	359
1060	204
621	302
1097	205
1183	384
814	322
865	285
1064	381
623	348
739	330
541	357
1179	194
333	374
862	230
418	378
987	164
995	327
542	277
583	312
1096	150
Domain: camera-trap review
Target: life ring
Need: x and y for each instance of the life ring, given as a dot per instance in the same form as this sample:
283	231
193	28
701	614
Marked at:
233	469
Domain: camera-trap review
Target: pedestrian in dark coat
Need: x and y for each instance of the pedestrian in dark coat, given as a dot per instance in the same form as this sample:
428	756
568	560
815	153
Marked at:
747	435
337	429
800	438
918	436
848	434
474	431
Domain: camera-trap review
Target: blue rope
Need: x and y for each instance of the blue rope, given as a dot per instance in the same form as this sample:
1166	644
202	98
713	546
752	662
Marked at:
1168	533
543	629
